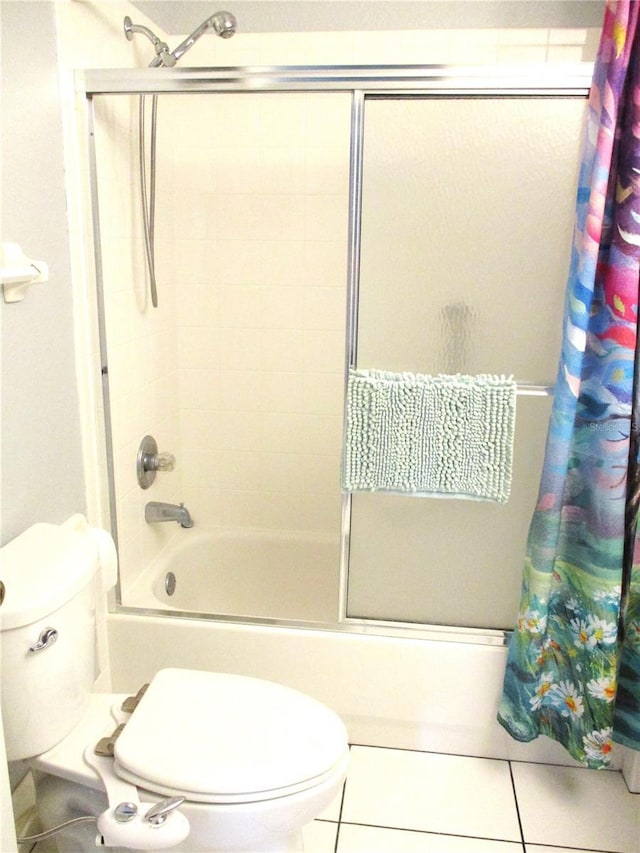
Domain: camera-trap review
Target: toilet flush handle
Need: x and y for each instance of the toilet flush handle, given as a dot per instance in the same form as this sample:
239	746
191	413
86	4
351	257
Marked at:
158	813
46	639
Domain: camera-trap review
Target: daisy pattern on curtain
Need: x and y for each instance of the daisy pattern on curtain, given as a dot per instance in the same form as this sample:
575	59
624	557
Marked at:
573	668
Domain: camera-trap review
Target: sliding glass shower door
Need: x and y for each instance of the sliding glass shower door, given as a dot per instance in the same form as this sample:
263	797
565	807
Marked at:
467	214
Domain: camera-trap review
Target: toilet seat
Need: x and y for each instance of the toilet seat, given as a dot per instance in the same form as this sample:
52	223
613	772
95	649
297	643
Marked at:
221	738
247	820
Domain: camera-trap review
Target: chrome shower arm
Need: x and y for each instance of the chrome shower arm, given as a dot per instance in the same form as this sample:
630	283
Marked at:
184	46
130	29
163	55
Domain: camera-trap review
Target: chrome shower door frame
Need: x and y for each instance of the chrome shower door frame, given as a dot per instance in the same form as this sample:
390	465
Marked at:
569	80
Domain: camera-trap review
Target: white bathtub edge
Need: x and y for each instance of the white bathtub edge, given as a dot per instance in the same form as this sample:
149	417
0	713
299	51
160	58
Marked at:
403	693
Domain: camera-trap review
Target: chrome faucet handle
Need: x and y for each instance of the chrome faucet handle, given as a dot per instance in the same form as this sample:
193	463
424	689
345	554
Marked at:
157	814
148	461
162	462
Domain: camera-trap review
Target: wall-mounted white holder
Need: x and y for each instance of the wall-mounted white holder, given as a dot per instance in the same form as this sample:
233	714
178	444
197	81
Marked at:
17	272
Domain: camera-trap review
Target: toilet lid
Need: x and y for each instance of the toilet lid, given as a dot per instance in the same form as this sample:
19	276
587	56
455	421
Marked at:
215	737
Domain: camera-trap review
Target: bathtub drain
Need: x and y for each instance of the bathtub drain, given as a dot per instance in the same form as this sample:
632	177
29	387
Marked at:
170	583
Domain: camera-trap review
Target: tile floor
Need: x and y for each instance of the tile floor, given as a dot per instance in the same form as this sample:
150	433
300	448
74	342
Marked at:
400	801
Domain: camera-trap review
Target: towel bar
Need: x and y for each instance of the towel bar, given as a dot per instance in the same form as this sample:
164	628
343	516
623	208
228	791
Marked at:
524	389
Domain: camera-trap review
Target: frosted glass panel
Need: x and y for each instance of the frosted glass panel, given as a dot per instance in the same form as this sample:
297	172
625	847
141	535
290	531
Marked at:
447	561
467	219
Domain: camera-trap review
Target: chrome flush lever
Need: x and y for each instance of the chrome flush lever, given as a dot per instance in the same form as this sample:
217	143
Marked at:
47	638
160	812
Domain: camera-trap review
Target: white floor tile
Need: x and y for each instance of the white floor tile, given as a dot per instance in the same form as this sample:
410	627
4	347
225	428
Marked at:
537	848
373	839
319	837
576	808
434	793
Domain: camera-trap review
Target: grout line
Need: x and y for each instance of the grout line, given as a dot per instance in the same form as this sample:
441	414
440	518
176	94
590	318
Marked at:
574	765
335	846
344	788
510	762
531	844
563	848
339	824
431	832
435	752
570	766
515	799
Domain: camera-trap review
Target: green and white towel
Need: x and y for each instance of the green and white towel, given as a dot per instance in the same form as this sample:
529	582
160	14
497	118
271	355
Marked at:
439	436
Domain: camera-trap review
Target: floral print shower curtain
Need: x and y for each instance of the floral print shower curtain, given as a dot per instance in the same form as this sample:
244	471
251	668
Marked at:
573	668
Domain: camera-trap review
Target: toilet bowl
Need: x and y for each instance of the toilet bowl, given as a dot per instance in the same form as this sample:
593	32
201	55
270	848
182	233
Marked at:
196	761
256	761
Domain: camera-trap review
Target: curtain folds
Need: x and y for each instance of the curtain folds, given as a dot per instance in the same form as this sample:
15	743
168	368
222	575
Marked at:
573	669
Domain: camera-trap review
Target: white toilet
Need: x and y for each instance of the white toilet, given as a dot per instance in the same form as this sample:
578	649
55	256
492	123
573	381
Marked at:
204	761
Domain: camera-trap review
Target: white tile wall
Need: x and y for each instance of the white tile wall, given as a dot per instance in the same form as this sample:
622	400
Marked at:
141	341
261	343
239	372
460	46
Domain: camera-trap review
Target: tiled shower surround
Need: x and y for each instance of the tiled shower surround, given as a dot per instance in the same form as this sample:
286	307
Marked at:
239	371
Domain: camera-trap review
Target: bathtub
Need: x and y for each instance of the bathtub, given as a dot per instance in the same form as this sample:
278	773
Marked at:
408	689
390	691
261	574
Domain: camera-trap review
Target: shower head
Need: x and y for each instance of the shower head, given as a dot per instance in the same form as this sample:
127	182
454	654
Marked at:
222	23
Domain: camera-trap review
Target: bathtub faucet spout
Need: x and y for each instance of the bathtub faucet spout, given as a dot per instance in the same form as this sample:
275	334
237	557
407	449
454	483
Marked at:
156	511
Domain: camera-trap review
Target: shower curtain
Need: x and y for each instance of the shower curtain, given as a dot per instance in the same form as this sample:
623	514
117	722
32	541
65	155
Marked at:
573	668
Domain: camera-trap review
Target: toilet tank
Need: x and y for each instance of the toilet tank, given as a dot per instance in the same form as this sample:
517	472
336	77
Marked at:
48	649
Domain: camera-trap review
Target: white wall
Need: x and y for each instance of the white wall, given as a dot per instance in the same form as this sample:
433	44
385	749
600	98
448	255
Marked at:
42	477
